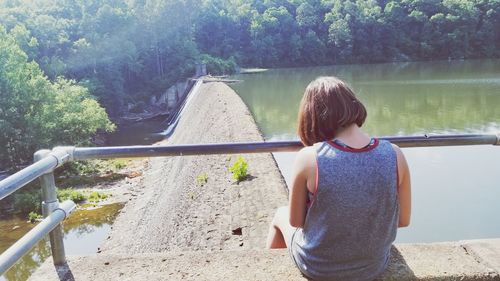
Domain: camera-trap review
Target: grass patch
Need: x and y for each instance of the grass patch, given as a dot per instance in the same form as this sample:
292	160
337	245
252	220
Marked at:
97	196
71	179
71	194
118	164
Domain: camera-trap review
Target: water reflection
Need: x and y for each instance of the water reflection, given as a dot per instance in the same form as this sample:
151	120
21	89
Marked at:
406	98
454	188
84	231
140	133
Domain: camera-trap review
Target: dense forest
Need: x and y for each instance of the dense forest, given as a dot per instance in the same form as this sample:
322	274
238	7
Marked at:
120	53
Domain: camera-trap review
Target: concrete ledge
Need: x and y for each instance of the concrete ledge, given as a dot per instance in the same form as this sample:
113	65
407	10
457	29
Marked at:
440	261
486	252
437	261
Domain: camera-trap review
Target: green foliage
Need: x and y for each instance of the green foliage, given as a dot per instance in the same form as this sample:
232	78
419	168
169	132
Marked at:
132	49
93	167
26	202
202	179
239	169
97	196
71	194
82	168
119	164
218	66
74	116
37	113
34	216
123	46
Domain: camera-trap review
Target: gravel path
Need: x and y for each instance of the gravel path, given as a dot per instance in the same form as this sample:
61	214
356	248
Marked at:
173	211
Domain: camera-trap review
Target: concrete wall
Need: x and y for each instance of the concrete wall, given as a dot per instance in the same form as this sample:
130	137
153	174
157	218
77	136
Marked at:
171	96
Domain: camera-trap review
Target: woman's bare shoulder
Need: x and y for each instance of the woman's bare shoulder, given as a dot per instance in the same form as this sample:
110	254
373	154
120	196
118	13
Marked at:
307	152
306	158
398	151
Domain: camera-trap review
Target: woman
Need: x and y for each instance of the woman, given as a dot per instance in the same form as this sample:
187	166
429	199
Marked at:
349	192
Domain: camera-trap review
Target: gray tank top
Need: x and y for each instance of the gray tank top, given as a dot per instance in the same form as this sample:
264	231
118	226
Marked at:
353	216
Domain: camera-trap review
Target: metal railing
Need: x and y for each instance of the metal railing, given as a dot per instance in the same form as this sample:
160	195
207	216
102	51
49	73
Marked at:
23	245
46	161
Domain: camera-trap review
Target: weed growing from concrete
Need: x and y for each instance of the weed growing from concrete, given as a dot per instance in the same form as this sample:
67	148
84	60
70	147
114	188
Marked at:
202	179
239	169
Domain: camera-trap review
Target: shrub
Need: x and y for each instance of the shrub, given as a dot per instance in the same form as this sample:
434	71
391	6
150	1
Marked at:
239	169
34	216
26	202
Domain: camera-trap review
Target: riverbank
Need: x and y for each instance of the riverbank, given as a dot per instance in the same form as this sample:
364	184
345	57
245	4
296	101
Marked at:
100	193
173	211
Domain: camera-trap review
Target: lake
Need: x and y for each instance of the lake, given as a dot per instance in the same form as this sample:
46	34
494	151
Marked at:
455	190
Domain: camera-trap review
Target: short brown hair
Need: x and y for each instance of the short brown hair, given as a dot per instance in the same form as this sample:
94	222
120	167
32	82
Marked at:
327	105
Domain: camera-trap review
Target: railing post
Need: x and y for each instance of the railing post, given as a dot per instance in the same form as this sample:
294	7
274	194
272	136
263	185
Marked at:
49	204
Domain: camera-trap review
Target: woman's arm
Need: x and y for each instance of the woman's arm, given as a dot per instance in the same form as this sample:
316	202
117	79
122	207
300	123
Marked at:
303	180
404	188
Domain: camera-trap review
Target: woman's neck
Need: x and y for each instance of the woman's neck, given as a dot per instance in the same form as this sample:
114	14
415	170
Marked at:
353	136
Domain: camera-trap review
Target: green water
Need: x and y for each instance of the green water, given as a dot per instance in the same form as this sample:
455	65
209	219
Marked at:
140	133
84	231
455	189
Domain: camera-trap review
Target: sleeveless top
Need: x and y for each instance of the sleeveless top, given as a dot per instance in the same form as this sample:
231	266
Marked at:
353	216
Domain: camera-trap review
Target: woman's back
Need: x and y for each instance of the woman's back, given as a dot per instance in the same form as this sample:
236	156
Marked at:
360	195
353	217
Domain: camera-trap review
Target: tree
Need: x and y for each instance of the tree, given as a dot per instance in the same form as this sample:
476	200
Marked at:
36	113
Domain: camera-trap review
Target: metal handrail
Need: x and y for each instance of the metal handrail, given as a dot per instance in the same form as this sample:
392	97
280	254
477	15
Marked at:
46	161
45	165
260	147
23	245
65	154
